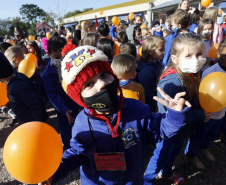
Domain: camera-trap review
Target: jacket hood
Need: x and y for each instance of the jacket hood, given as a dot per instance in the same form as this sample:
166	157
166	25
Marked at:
129	32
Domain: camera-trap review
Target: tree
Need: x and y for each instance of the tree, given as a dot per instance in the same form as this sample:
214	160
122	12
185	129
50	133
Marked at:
50	18
5	25
17	22
32	13
76	12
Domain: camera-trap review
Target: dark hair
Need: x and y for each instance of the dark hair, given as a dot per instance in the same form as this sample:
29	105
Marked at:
106	45
91	39
137	28
194	18
181	17
37	52
128	48
77	34
75	41
55	43
4	46
20	43
122	37
103	29
54	34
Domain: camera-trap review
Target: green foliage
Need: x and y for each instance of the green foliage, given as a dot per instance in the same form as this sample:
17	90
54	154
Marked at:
5	25
76	12
32	13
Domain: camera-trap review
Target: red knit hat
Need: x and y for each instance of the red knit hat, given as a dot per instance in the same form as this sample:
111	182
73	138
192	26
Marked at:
77	67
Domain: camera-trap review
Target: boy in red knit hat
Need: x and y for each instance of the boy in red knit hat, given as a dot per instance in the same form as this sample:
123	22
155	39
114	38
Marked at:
110	134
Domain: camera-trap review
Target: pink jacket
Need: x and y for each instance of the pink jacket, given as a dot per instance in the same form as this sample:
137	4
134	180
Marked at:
217	34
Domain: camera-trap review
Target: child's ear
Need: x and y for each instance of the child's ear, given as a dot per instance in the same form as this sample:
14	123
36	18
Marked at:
174	59
134	75
179	26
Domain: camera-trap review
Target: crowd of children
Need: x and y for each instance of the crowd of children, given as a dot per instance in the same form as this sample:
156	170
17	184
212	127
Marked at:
118	88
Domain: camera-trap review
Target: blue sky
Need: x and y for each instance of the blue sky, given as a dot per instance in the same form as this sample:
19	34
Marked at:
10	8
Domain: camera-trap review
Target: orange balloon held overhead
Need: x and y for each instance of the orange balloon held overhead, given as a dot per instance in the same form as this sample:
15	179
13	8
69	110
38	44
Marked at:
101	12
115	20
3	94
48	35
131	16
27	67
212	92
31	38
32	57
206	3
82	25
32	153
213	50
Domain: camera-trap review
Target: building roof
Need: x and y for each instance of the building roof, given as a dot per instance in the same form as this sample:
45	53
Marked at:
131	3
39	24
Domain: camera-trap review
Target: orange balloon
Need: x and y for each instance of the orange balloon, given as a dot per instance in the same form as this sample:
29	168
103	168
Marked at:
32	153
213	50
219	12
32	57
206	3
116	47
11	42
101	12
48	35
212	92
129	94
83	24
3	94
131	16
31	38
115	20
27	67
143	26
140	52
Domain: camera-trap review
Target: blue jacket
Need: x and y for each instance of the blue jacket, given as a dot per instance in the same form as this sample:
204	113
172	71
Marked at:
113	32
24	100
169	40
137	124
148	74
171	85
192	27
53	88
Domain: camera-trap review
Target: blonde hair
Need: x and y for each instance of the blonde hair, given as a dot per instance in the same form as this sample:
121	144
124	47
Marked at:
144	31
180	17
211	13
14	52
179	43
150	44
123	64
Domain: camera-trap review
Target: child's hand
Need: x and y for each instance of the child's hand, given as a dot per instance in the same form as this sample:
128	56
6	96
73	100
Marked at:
46	182
176	104
207	116
69	117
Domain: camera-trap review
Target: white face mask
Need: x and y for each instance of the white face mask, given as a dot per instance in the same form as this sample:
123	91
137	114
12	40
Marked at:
206	33
55	61
191	66
13	64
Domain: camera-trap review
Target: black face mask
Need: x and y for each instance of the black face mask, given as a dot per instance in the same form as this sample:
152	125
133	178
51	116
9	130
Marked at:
138	24
105	100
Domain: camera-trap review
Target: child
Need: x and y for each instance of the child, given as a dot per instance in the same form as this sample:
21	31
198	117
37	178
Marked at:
124	66
107	46
121	38
103	31
207	132
179	21
205	30
181	75
65	108
109	127
149	68
33	48
23	98
23	47
144	33
211	13
90	27
128	48
15	55
91	39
